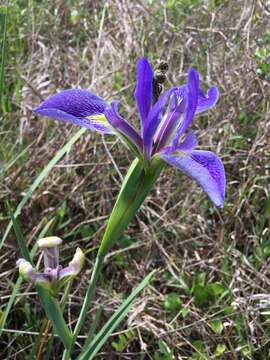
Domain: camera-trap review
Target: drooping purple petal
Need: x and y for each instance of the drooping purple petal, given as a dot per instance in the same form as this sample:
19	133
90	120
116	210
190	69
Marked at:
206	102
192	100
101	126
120	124
153	121
76	102
205	168
74	106
143	91
66	272
189	143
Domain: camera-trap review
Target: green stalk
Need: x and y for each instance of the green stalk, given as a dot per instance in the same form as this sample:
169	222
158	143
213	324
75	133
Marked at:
54	314
86	304
135	188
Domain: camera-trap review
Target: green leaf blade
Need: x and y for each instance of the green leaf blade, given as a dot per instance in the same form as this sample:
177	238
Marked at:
99	340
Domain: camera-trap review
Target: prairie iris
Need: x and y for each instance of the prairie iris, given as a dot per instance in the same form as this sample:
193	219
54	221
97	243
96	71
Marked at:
163	125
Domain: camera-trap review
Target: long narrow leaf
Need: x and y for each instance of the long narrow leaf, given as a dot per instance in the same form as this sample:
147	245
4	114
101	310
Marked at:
3	19
44	173
4	315
20	239
113	322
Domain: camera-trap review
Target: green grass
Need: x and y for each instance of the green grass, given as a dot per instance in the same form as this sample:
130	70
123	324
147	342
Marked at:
212	265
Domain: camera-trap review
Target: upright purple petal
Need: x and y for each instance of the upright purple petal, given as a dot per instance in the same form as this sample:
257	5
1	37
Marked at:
120	124
168	130
192	100
153	121
205	168
143	91
206	102
74	106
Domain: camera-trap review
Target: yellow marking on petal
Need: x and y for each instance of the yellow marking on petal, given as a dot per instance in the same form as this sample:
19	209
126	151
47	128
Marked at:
49	242
99	119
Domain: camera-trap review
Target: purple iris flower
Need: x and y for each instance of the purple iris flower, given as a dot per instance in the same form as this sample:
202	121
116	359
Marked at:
163	125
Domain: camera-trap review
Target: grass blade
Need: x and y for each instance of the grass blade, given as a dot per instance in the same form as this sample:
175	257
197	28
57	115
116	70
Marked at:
6	166
41	177
3	23
113	322
20	239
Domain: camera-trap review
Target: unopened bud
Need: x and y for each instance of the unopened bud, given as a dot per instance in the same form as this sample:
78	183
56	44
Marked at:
49	242
78	260
26	270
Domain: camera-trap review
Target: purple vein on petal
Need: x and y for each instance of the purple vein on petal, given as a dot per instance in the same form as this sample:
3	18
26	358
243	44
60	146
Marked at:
192	100
143	91
120	124
153	121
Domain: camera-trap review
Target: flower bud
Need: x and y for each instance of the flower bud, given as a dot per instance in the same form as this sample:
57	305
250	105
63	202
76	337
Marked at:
49	242
26	270
78	260
49	245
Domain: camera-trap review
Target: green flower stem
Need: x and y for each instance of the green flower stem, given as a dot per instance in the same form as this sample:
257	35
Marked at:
136	186
54	314
86	304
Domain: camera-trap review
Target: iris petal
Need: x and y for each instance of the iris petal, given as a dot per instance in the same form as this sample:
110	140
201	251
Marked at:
192	100
189	143
77	102
206	102
143	91
75	266
120	124
74	106
205	168
153	121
